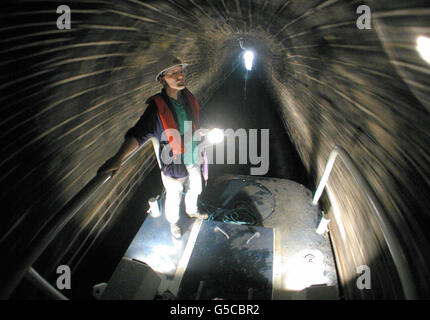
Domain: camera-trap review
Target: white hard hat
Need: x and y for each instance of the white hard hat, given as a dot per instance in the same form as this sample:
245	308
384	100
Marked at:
167	62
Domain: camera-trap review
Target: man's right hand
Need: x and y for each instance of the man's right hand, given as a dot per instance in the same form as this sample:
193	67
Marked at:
111	165
114	164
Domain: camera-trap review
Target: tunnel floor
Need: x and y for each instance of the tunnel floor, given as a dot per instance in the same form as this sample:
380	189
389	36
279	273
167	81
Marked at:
280	256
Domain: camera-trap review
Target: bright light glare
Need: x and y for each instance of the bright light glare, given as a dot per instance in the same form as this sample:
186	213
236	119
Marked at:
248	57
160	259
423	47
215	135
305	269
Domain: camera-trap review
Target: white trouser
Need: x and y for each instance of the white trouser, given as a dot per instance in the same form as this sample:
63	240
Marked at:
174	188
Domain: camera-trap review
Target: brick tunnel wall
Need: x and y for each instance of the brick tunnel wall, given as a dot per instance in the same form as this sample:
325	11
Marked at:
68	97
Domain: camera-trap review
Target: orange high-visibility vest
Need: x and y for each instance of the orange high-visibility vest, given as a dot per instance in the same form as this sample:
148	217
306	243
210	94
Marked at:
169	122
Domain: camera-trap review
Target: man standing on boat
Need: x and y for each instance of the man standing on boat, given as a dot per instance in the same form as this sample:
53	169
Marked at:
173	110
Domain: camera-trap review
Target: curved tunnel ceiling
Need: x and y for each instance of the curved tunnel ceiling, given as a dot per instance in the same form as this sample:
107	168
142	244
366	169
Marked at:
68	96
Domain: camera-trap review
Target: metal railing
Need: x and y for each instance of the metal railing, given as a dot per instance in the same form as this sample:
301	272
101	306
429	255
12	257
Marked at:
53	228
392	241
39	282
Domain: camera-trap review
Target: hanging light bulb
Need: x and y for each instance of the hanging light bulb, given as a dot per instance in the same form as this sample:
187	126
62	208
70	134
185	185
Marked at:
248	56
423	47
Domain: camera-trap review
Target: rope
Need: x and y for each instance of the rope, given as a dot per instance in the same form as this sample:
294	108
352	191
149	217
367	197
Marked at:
241	213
